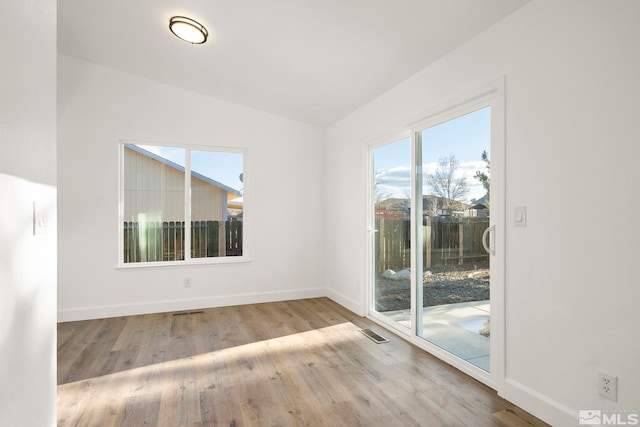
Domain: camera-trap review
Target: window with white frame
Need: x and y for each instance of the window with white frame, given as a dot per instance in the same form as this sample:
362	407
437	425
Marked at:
180	204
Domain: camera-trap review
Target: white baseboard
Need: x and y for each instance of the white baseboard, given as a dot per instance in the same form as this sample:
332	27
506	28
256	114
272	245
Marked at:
538	404
101	312
348	303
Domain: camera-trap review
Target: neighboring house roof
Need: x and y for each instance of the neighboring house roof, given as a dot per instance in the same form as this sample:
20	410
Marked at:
393	203
403	204
181	169
480	203
440	202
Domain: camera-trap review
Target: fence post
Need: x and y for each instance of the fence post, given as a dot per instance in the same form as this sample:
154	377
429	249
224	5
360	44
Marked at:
239	238
127	246
165	241
460	241
380	245
427	243
222	239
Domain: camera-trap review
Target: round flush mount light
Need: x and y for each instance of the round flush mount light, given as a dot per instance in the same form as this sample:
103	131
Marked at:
188	30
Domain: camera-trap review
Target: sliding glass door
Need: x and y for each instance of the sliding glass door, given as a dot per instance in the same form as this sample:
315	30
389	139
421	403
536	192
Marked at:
454	267
392	231
437	234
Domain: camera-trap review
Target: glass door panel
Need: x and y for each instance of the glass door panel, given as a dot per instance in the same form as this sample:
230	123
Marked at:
392	244
453	308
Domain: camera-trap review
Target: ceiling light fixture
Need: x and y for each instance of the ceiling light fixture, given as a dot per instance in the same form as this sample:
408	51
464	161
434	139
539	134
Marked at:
188	30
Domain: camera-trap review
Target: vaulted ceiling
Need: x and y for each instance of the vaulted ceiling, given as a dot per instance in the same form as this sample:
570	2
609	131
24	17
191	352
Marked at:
310	60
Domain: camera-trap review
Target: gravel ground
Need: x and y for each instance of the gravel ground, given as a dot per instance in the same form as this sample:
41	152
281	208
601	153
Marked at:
442	285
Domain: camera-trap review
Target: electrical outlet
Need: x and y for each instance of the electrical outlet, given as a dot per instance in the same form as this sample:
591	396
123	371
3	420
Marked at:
608	386
187	282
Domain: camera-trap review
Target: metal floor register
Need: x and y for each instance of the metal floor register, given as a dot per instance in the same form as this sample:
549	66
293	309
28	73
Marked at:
378	339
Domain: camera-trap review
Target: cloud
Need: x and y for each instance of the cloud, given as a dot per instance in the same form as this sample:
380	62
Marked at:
398	176
397	181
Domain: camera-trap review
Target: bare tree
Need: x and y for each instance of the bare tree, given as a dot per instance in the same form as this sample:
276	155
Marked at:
430	205
446	184
379	192
485	177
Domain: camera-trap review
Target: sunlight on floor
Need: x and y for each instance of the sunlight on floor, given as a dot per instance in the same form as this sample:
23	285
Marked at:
102	393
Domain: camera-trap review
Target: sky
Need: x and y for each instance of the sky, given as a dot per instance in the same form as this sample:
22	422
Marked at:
224	167
466	137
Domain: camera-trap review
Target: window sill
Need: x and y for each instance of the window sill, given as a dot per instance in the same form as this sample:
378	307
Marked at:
191	263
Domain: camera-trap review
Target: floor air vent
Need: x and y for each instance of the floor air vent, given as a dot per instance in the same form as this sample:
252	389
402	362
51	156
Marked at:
378	339
186	313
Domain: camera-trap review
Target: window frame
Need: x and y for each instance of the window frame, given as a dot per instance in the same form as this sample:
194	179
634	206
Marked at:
188	260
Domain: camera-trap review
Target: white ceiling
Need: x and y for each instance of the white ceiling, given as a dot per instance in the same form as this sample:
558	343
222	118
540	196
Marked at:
310	60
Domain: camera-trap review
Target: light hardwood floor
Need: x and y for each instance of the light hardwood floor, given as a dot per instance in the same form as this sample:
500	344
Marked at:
294	363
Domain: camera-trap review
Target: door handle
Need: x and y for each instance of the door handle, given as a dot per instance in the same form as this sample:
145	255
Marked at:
490	246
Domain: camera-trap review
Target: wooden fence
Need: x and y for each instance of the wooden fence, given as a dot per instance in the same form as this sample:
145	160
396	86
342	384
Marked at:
393	243
233	237
446	240
165	241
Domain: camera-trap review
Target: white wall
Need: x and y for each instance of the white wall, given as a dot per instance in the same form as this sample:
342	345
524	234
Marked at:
573	299
97	108
27	175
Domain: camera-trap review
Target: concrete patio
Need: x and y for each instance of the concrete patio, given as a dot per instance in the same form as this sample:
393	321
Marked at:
454	328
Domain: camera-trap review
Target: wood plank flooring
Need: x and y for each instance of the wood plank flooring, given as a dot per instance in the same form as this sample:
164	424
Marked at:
294	363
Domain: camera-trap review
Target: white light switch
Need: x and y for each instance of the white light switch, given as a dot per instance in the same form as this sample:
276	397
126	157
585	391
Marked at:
520	216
